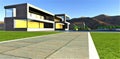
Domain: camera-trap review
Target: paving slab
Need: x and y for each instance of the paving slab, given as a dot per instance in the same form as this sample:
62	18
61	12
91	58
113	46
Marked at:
5	48
76	49
10	57
16	44
67	45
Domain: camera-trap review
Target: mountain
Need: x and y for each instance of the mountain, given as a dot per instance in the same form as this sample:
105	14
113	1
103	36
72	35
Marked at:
109	20
1	25
94	22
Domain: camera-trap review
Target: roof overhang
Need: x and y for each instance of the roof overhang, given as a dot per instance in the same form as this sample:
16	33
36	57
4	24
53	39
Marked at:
27	4
40	9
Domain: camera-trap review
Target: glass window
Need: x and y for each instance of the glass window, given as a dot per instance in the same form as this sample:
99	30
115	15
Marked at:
67	18
62	17
10	12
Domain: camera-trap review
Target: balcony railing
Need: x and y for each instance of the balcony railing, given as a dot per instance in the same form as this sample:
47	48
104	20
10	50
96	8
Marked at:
42	20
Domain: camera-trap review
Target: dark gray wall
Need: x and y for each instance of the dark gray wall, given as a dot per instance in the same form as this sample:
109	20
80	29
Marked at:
21	11
9	24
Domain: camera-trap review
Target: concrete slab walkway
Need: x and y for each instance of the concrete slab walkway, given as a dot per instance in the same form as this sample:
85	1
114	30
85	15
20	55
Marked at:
68	45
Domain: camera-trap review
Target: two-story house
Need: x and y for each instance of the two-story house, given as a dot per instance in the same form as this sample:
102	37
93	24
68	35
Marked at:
26	17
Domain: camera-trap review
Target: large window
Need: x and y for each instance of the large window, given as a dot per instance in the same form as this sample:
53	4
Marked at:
62	17
67	18
11	12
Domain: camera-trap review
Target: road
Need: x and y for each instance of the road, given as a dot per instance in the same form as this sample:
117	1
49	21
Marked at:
67	45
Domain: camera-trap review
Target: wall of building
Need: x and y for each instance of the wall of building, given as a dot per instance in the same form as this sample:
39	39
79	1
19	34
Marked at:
21	11
41	25
59	26
9	24
19	23
32	24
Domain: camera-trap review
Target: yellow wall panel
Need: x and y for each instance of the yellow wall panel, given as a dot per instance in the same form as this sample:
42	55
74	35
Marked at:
20	23
41	25
59	26
32	24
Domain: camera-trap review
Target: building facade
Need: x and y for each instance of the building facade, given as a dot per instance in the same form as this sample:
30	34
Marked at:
26	17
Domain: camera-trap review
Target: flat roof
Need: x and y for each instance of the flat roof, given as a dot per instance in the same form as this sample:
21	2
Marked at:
63	14
30	5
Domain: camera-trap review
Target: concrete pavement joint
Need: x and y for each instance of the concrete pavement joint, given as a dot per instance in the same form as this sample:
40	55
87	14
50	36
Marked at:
23	46
45	47
17	48
16	56
61	47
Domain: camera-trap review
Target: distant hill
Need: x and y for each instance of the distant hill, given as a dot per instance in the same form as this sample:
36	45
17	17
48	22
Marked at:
1	25
108	20
96	21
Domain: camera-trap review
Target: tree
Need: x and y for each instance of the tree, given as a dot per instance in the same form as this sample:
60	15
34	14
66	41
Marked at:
76	27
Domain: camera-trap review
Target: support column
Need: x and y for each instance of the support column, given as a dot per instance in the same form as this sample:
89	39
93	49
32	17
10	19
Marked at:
54	26
68	26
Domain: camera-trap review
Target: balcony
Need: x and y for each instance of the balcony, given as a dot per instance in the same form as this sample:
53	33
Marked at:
11	12
36	17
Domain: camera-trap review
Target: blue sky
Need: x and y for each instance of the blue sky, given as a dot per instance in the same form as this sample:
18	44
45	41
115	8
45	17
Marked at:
74	8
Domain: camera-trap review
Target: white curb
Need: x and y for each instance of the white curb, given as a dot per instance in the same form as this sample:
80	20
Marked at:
92	50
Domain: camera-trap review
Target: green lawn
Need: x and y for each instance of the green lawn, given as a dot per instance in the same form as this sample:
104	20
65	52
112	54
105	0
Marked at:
10	35
107	44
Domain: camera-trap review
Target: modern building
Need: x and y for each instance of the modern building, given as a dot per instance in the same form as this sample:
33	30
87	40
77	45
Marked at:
26	17
63	21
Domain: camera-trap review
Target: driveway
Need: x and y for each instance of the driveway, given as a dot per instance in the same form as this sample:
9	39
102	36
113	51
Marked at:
67	45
